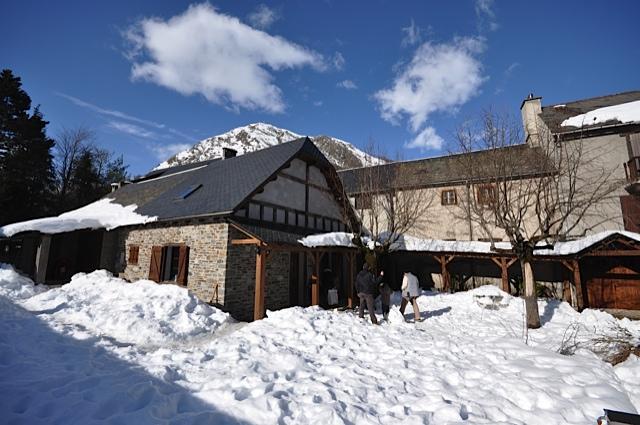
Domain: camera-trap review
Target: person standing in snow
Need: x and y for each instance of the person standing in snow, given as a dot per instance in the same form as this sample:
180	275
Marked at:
410	293
366	287
385	298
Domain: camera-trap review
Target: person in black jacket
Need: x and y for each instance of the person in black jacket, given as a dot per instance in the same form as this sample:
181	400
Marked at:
366	284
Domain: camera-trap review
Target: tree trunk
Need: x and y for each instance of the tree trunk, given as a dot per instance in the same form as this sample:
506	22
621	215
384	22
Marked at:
530	297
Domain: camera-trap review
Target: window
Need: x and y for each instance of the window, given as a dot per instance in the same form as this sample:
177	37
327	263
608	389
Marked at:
185	193
171	258
169	263
449	197
280	216
486	194
133	254
363	202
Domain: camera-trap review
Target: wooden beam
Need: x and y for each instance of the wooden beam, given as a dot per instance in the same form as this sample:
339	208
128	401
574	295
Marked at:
258	305
245	242
614	253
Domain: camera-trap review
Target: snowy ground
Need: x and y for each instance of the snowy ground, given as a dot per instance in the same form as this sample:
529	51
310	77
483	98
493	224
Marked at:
99	350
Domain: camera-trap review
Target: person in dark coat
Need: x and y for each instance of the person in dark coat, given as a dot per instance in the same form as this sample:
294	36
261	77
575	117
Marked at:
385	298
366	284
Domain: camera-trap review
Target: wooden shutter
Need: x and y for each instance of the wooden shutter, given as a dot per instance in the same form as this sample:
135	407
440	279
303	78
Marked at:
155	267
133	254
183	265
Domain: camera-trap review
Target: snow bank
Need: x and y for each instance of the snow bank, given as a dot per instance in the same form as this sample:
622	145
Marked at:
15	286
410	243
142	312
625	112
629	374
102	214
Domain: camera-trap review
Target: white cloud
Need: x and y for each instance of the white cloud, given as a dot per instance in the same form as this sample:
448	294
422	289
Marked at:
164	152
412	34
131	129
121	115
317	103
486	15
338	61
439	77
347	84
263	17
206	52
425	140
109	112
511	68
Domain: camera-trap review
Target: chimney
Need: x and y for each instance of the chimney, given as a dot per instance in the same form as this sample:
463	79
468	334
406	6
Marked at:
228	153
531	109
117	185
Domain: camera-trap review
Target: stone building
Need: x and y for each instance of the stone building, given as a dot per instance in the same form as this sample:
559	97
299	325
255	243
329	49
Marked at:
446	184
227	229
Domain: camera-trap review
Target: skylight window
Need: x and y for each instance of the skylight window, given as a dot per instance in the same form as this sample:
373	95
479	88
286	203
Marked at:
188	191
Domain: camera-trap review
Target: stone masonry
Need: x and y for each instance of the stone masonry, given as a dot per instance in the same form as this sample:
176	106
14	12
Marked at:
207	254
219	273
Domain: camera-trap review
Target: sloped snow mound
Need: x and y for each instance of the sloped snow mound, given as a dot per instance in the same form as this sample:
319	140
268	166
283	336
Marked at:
628	373
15	286
142	312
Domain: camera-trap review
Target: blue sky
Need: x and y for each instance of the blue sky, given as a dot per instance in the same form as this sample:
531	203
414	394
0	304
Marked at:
151	77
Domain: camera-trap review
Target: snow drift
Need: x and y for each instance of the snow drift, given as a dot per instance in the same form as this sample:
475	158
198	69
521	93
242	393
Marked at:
15	286
142	312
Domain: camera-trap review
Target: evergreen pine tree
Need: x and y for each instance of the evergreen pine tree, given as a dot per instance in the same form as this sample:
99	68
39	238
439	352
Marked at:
26	167
86	183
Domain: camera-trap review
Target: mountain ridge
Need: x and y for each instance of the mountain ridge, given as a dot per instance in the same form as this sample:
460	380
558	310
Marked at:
256	136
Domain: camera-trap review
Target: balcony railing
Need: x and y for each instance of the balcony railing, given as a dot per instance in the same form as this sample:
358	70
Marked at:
632	169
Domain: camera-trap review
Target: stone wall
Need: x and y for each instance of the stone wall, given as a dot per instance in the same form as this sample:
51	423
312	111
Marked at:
219	273
241	276
207	254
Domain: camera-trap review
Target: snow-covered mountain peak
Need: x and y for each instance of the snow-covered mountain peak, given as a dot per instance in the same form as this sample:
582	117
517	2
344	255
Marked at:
256	136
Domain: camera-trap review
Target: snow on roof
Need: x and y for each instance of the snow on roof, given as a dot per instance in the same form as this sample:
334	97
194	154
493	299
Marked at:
624	112
410	243
328	239
102	214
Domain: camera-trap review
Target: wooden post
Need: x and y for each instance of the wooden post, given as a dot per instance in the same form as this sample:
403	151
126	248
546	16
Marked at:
504	272
258	306
577	282
352	272
446	281
42	259
315	280
566	291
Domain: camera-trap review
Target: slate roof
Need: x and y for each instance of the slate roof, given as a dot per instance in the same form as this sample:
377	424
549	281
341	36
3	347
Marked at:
442	171
553	115
225	184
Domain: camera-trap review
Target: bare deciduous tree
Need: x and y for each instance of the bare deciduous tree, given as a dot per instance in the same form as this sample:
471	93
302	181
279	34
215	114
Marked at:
387	205
537	194
71	143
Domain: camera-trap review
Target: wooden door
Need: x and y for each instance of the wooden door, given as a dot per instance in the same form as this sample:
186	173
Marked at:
617	288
